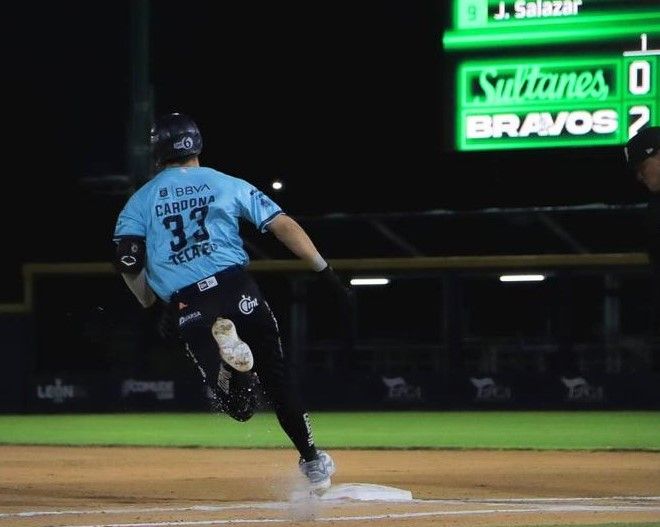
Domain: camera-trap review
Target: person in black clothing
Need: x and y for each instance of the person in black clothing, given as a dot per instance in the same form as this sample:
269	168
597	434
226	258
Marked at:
643	159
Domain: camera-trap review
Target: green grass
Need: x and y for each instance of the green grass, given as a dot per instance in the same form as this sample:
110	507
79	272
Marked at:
633	430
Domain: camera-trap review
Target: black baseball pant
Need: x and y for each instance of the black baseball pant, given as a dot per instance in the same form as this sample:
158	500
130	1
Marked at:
234	294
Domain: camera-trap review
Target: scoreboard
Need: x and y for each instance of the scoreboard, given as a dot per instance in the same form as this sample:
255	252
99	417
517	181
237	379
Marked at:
540	73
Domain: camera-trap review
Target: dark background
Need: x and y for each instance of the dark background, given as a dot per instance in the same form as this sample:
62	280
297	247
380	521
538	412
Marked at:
350	104
345	101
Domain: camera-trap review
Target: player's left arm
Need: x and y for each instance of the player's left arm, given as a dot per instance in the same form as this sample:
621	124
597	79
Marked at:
293	236
268	216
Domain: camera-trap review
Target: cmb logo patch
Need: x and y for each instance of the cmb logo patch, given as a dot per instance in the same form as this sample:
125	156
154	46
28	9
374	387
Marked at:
247	304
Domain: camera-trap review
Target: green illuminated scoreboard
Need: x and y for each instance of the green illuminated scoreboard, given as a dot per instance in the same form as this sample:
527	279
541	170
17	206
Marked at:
536	74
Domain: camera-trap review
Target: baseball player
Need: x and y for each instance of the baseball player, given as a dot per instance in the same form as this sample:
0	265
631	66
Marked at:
178	244
642	153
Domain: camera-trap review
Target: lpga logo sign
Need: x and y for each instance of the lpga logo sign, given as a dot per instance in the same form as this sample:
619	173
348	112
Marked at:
247	304
489	390
398	389
580	390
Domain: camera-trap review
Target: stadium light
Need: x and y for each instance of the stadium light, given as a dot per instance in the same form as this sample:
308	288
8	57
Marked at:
370	281
522	278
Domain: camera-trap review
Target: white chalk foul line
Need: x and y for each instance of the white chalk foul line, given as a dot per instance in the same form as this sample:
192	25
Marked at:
371	517
541	505
631	500
617	502
274	505
281	505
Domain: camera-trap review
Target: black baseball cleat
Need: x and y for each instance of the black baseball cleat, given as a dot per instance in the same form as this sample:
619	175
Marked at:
236	393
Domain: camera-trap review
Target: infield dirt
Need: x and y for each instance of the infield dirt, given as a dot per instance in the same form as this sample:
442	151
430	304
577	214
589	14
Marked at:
61	486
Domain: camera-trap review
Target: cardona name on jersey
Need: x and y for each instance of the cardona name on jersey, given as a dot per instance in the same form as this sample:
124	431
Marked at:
176	207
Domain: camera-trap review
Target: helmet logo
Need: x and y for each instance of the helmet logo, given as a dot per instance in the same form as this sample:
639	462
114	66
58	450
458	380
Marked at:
185	144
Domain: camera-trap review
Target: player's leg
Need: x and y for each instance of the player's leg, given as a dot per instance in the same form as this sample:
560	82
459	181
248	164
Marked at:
232	392
236	393
282	390
233	350
222	358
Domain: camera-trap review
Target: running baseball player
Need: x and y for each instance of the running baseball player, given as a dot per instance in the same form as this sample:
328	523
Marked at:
178	243
642	153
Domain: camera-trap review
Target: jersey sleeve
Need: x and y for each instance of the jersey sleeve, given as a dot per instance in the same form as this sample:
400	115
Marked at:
257	207
130	221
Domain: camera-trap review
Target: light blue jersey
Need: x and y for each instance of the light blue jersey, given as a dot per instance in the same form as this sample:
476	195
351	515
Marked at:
189	218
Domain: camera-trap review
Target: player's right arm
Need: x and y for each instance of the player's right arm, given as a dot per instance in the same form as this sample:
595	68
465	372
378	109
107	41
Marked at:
129	261
130	253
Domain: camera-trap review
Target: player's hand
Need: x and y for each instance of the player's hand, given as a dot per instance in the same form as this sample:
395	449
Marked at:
164	318
343	291
168	324
348	317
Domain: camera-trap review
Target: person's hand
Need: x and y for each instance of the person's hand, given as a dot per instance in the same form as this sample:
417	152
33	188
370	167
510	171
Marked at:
168	324
164	318
348	317
343	291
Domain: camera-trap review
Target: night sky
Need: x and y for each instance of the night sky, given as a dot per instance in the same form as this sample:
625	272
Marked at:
345	101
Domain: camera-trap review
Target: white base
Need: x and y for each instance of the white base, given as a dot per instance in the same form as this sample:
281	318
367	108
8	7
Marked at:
365	492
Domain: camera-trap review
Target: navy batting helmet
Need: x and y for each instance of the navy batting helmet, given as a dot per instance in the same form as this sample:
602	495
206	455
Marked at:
174	136
645	144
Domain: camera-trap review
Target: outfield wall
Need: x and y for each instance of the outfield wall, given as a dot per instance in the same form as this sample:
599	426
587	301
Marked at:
66	393
443	334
